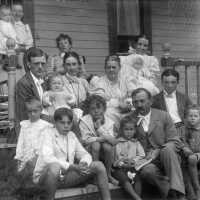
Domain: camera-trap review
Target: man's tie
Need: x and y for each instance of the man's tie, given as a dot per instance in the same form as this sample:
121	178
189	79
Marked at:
143	122
40	89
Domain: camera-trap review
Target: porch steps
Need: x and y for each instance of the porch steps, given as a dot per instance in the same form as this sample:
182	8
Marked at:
90	192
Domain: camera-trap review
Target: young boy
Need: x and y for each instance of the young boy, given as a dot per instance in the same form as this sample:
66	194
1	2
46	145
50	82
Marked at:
192	147
56	164
171	100
30	138
97	133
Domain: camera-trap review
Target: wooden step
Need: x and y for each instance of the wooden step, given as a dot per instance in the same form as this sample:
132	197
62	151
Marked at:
90	192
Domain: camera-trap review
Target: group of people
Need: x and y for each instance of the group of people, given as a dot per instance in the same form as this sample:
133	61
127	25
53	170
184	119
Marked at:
119	128
72	130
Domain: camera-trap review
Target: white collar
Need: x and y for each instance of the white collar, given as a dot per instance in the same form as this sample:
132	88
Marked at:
172	95
146	117
62	54
36	80
19	23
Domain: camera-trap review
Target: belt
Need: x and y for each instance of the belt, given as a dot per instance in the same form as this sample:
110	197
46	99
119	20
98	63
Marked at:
179	124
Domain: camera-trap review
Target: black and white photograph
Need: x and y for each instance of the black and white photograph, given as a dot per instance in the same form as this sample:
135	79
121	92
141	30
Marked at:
100	99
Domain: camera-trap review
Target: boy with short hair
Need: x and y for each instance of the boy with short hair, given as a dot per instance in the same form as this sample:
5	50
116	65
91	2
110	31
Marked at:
192	147
56	164
171	100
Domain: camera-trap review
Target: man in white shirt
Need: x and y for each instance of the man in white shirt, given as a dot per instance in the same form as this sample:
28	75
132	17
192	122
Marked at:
31	84
64	162
157	134
171	100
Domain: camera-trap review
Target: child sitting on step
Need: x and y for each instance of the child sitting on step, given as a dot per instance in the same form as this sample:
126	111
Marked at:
97	133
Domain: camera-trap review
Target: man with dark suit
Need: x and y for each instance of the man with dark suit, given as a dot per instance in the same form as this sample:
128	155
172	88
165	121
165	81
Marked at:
31	84
171	100
158	135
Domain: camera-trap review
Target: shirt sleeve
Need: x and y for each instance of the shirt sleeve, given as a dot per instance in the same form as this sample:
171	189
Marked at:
8	31
29	39
86	134
139	152
19	148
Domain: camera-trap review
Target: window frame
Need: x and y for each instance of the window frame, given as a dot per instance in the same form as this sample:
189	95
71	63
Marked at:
145	24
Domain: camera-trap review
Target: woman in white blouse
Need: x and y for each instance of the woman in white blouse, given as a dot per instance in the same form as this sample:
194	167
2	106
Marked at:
76	86
112	88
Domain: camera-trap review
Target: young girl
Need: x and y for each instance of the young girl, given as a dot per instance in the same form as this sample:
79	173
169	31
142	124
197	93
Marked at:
30	138
56	97
192	146
97	132
127	152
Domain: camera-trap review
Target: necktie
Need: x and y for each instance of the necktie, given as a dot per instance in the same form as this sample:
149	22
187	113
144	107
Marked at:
143	122
40	90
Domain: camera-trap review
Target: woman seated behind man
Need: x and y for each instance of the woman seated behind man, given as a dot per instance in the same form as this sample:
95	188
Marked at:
112	88
97	132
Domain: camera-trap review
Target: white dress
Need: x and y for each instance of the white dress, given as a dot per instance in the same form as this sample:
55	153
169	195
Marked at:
29	141
24	35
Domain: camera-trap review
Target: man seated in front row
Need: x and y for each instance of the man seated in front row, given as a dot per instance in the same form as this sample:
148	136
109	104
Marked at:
157	134
171	100
56	162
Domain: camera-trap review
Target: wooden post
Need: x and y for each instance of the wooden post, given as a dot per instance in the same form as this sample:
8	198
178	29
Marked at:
11	80
198	84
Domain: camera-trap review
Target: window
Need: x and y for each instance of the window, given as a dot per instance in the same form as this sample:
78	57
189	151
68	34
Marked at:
9	2
119	41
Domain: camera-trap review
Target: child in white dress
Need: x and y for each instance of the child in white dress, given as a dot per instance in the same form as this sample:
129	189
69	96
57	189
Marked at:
30	137
7	30
24	35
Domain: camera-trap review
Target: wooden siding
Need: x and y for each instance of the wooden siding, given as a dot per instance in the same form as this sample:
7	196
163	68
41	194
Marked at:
177	22
86	21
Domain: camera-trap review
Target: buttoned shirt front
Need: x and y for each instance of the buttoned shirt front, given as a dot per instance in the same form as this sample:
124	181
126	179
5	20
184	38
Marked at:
38	83
172	107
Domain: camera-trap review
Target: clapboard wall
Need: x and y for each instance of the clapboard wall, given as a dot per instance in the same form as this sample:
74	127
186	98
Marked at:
84	20
177	22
